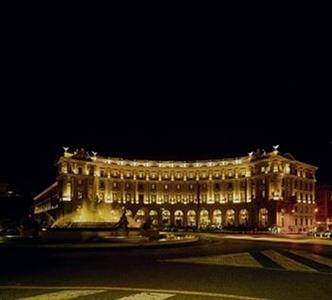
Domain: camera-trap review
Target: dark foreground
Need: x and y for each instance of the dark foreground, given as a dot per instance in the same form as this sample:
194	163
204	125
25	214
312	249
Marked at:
210	269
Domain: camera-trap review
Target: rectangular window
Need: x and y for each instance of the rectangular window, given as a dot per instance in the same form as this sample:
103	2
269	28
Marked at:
230	197
211	200
140	198
243	196
146	200
166	198
203	198
90	171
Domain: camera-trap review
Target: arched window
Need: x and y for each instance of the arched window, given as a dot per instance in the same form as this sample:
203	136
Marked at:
154	217
178	218
263	217
204	219
166	217
243	217
217	217
230	217
140	216
191	218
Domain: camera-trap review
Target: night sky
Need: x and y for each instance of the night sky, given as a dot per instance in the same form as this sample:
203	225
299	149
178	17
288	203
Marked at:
202	87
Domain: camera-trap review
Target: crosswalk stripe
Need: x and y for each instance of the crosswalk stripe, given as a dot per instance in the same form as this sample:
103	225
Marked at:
186	293
147	296
286	262
244	259
63	295
315	257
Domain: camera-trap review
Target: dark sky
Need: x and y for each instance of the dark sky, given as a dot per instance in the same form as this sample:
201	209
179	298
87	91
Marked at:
181	87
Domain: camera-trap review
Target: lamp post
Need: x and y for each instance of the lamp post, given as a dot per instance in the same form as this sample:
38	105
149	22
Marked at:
198	192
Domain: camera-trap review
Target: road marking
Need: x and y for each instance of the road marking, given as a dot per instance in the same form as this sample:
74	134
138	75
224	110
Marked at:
147	296
244	259
63	295
315	257
127	289
286	262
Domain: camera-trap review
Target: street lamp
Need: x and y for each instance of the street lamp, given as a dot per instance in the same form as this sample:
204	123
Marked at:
198	204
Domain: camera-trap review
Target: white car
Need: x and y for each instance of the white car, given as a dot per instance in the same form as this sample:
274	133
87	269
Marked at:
327	234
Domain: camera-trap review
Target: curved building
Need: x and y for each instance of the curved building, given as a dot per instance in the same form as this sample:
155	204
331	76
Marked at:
259	190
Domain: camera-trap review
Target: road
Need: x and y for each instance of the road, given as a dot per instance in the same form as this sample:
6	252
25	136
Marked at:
213	268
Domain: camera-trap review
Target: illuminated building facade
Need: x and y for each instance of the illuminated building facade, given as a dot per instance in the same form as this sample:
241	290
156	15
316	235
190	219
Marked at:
259	190
324	207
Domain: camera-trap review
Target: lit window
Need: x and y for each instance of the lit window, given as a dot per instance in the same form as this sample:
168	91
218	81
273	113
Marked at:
153	198
230	197
101	185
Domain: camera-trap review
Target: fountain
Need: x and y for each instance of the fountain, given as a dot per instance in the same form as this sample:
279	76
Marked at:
97	222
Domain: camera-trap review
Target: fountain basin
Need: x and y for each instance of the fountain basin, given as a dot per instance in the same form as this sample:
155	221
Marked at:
91	234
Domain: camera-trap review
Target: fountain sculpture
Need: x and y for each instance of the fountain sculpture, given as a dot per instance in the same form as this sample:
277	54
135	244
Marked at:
98	222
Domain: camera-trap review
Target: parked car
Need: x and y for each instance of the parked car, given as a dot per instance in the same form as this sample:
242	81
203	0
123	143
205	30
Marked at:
327	234
323	234
318	234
